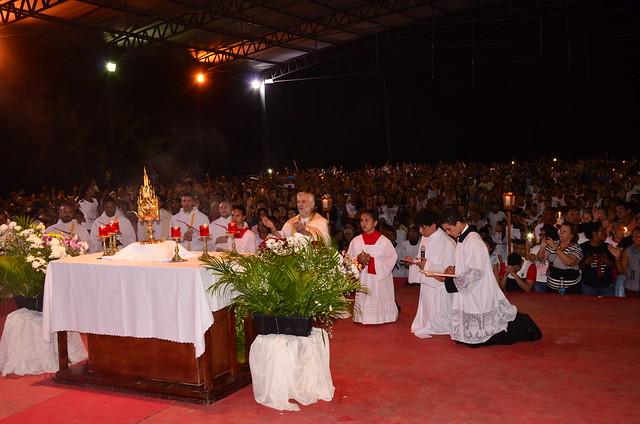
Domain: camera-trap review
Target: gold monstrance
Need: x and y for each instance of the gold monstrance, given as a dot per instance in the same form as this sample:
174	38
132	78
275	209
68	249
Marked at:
148	209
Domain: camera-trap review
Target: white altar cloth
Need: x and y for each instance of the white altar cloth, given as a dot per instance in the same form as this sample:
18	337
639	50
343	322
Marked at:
291	367
137	299
156	252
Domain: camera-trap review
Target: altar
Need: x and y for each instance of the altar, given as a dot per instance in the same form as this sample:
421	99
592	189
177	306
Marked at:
151	327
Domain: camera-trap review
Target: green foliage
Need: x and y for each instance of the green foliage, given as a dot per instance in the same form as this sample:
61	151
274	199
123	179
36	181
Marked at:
19	278
312	282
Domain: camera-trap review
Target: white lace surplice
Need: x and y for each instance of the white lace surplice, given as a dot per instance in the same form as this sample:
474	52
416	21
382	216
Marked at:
479	309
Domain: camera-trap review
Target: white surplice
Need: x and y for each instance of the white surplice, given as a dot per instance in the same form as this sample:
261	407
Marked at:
68	229
126	236
479	308
434	307
379	305
190	220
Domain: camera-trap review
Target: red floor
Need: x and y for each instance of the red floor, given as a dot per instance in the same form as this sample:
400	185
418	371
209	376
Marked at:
584	370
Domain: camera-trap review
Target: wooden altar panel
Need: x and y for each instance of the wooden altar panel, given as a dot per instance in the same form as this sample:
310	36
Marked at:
161	368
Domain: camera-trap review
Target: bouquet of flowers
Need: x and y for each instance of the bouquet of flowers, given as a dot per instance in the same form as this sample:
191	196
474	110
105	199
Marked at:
289	277
25	252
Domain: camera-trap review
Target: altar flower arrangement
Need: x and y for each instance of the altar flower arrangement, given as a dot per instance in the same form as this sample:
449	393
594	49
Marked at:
25	252
294	277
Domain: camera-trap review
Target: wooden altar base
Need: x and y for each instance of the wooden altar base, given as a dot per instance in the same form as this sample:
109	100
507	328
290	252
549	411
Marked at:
222	385
162	368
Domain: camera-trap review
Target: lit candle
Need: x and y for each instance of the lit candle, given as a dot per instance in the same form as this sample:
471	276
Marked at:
530	237
559	220
111	228
116	226
175	232
233	228
204	230
102	231
626	231
325	203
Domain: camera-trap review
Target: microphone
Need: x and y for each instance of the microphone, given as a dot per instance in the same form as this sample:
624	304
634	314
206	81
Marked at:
422	252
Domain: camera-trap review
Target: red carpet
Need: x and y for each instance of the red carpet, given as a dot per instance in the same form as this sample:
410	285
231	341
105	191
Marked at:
83	406
584	370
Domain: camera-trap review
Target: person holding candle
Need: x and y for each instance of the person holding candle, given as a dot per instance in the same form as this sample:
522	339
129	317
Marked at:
628	263
377	257
564	256
308	222
125	236
189	219
245	239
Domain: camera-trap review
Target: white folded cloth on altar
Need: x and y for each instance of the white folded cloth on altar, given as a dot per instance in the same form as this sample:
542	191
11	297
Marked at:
23	350
291	367
157	252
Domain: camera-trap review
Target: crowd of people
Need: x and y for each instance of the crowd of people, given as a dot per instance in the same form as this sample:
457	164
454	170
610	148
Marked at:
573	227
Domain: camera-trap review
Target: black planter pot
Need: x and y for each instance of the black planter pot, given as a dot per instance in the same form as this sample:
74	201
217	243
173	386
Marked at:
32	303
293	326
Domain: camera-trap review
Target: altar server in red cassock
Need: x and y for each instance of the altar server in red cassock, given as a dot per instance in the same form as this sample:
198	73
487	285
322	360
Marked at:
376	255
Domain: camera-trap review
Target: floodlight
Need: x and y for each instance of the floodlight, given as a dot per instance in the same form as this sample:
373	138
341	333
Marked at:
111	66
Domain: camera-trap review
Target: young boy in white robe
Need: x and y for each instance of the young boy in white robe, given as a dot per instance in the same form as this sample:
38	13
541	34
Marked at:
377	256
245	239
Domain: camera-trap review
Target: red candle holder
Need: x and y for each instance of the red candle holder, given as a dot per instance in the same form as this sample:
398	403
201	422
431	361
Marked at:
232	228
175	232
204	230
102	231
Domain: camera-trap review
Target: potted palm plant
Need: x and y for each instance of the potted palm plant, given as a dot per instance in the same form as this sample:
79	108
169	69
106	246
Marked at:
289	285
25	252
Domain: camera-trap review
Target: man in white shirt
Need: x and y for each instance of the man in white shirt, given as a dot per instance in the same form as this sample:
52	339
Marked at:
218	227
67	226
189	219
495	215
126	235
308	222
88	204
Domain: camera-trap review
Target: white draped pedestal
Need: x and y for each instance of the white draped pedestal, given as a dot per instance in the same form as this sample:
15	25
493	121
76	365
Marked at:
23	351
291	367
151	327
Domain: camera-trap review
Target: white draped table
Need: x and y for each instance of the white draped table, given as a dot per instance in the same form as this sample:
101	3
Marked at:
162	300
147	322
291	367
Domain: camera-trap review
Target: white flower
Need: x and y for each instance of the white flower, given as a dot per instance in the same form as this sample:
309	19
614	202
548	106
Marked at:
13	225
57	251
30	258
3	228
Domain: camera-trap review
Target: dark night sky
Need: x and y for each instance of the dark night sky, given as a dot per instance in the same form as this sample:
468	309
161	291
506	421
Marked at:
521	98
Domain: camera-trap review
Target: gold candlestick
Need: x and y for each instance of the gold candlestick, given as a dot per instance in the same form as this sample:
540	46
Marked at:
106	249
176	255
205	254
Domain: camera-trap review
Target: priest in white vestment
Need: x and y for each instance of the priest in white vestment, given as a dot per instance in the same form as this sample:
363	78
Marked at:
308	222
126	236
189	219
376	255
67	226
434	306
481	314
219	226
